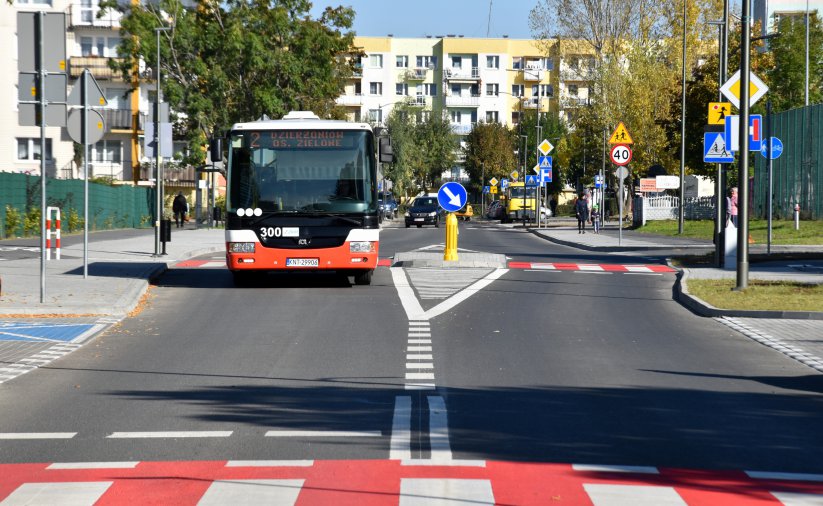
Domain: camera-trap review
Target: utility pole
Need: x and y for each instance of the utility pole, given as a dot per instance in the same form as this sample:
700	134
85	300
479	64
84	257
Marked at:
743	165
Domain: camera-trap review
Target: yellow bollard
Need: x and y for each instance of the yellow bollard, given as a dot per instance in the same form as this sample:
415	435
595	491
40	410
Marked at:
450	254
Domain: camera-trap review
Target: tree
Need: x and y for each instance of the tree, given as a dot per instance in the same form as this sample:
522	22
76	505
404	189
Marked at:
232	61
787	77
490	151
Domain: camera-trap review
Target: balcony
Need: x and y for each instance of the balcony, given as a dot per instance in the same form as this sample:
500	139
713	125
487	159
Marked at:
79	16
461	101
416	101
97	65
532	74
531	103
462	128
121	119
573	102
460	74
350	100
357	72
576	74
416	74
170	175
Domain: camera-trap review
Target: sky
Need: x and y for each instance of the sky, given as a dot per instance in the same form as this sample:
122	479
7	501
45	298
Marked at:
419	18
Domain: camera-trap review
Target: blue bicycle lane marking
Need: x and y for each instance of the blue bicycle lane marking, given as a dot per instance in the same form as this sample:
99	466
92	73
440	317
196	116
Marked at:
43	332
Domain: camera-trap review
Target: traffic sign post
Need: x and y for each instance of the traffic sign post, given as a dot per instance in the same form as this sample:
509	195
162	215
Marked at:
451	197
733	133
776	149
731	89
714	148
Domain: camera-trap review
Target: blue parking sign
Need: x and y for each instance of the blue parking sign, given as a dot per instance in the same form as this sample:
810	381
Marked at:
504	183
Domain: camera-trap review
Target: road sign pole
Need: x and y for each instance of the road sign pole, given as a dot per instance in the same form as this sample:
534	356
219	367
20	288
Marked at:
769	174
84	129
743	166
41	87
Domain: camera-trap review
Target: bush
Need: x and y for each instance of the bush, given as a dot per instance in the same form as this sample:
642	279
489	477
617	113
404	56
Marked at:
75	222
565	210
31	225
13	221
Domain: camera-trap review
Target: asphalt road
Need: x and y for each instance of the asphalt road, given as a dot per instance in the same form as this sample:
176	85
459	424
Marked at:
536	366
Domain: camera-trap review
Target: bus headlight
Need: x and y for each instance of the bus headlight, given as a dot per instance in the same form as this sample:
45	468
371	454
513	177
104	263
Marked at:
361	247
241	247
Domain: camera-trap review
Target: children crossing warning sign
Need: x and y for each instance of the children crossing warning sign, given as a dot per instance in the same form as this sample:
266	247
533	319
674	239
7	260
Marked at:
621	135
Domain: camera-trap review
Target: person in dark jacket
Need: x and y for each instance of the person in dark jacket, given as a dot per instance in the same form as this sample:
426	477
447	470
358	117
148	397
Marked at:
581	209
179	206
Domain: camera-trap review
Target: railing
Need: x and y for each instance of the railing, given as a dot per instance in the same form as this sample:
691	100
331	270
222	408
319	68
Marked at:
416	74
121	119
86	17
97	65
459	74
170	175
460	101
576	74
417	101
352	100
573	101
532	74
462	128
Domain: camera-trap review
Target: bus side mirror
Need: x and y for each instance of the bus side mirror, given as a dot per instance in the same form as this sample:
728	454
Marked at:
386	151
216	149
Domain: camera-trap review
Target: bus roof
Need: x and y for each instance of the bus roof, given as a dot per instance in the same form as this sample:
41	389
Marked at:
301	120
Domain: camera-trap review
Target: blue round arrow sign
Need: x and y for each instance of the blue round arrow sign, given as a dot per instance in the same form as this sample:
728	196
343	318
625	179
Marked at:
451	196
777	148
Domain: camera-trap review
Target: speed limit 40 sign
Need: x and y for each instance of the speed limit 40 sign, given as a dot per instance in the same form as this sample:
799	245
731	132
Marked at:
621	154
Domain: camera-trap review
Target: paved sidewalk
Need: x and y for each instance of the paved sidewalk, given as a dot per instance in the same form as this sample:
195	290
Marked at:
119	272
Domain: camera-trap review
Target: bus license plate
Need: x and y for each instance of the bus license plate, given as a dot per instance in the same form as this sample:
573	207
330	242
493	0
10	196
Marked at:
302	262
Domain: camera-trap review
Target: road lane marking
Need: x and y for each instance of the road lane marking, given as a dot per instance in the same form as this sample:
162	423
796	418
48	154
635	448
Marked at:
424	491
324	433
270	463
419	365
439	430
37	435
420	375
281	492
170	434
419	357
418	348
93	465
58	493
400	443
632	495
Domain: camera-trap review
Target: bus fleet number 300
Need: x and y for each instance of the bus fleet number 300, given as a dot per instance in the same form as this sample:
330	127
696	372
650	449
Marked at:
266	232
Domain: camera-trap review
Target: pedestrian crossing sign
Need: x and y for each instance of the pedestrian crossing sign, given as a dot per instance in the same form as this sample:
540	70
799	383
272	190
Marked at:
544	162
621	135
714	148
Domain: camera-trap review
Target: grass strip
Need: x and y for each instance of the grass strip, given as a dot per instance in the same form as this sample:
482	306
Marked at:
759	295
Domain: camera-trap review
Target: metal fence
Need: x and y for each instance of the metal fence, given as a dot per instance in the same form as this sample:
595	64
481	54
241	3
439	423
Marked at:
110	207
668	208
797	173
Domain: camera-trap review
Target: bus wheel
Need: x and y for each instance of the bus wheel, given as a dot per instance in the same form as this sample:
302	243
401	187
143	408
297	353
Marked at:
363	277
242	278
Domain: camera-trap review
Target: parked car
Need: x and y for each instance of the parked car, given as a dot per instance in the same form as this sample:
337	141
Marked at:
495	210
387	205
465	213
423	211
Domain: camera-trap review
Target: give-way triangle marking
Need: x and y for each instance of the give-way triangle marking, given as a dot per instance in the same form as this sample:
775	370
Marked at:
452	284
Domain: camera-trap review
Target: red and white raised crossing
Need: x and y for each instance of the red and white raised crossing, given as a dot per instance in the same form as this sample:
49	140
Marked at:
558	266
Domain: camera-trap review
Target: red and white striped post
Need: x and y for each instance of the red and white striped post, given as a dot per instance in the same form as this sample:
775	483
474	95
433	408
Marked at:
56	211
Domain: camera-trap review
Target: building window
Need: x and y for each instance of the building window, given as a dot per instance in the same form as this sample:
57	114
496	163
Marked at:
492	62
375	88
402	89
573	90
402	61
492	116
457	62
456	90
430	89
515	117
33	2
492	89
376	115
456	116
517	90
546	90
86	44
376	61
115	98
426	61
547	63
28	149
108	151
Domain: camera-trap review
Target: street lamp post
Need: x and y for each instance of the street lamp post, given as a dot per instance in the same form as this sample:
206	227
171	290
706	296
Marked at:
682	211
158	176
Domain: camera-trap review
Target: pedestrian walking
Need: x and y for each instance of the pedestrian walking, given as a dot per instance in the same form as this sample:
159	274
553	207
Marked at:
595	219
179	207
581	209
732	207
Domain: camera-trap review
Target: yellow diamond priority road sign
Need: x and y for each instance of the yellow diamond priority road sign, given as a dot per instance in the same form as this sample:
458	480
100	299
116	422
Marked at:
731	89
493	181
545	147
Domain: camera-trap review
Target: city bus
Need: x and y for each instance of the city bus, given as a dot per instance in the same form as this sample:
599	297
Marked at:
302	196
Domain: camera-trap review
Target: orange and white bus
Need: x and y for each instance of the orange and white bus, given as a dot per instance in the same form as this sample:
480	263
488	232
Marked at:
302	195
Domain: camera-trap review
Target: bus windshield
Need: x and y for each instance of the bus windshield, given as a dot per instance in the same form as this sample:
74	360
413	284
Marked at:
295	171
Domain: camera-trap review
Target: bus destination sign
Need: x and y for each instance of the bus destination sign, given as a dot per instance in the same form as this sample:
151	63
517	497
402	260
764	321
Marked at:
300	139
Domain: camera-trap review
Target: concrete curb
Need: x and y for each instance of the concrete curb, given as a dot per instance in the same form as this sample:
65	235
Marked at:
703	308
588	247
